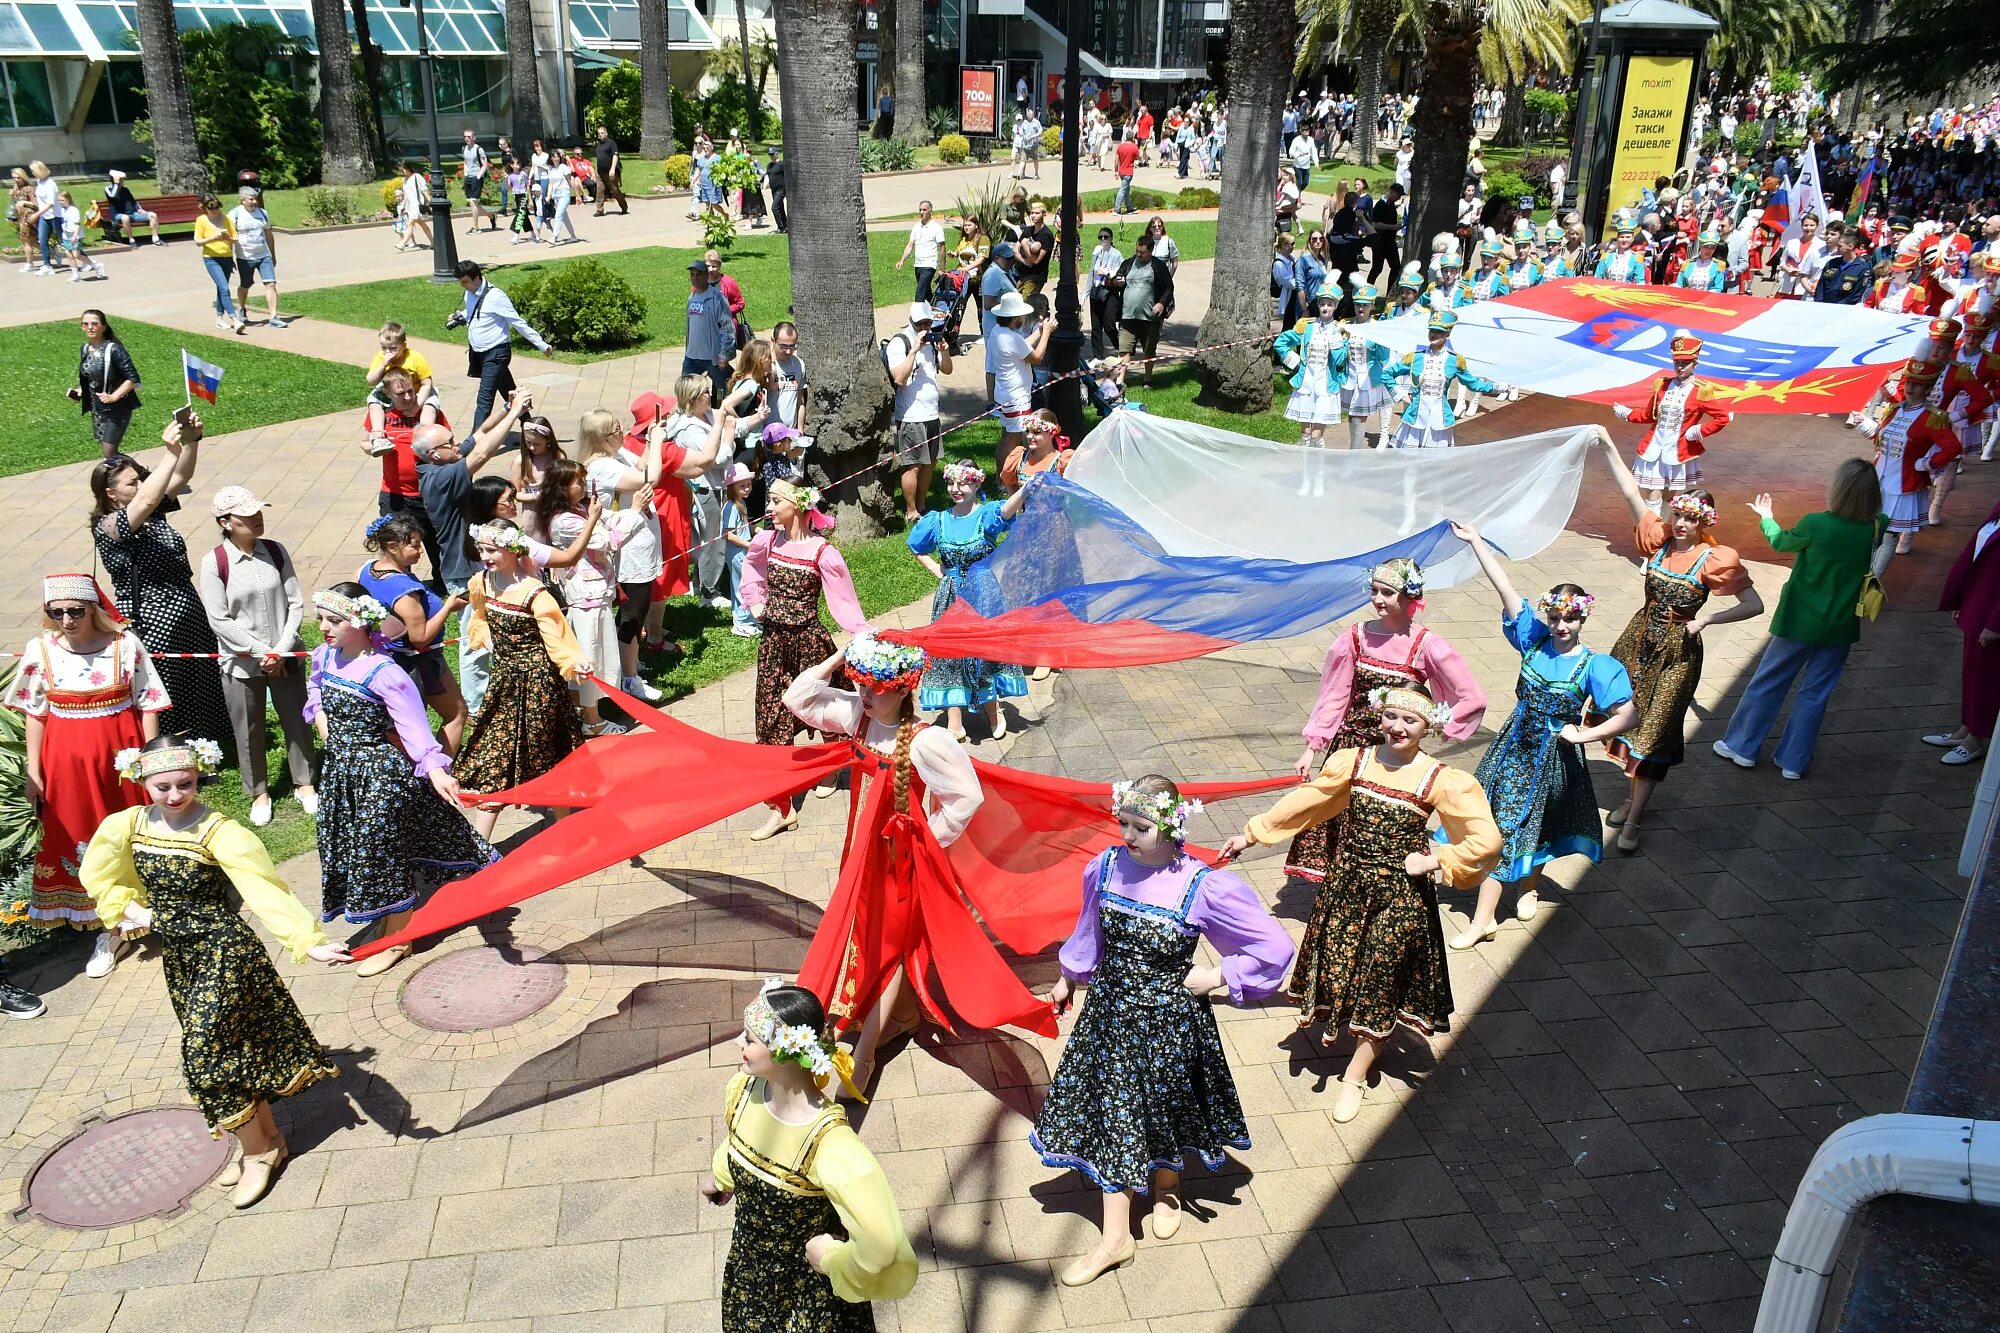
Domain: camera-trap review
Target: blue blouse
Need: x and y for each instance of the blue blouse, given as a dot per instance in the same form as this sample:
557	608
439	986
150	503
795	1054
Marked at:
389	588
1604	678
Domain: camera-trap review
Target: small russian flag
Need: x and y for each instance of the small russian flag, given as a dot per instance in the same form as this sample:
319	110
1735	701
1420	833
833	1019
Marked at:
203	379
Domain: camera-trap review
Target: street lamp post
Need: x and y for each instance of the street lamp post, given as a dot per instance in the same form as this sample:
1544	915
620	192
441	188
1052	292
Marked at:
1066	344
1587	112
444	248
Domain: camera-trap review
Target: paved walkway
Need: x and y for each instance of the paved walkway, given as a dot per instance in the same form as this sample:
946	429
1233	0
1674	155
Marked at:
1607	1139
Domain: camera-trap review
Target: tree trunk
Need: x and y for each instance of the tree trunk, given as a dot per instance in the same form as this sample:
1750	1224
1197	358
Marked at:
851	397
913	108
1442	127
1513	118
753	95
371	81
1238	378
177	160
1374	23
656	84
345	160
524	78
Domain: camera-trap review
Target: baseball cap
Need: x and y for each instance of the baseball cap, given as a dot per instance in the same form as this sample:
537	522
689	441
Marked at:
1002	251
238	500
921	313
115	174
697	263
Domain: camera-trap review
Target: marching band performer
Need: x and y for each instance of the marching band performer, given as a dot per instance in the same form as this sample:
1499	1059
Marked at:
1681	417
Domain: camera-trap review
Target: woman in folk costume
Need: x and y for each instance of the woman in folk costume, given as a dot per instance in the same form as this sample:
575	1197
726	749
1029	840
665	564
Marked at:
1429	421
1681	417
86	690
1306	349
1706	273
1662	643
788	568
1972	595
1535	771
1913	441
876	978
1390	650
954	544
1373	956
177	869
1361	366
1144	1081
1623	262
817	1234
1526	271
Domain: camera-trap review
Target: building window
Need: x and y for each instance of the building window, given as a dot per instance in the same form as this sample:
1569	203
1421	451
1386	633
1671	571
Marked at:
117	100
462	86
24	95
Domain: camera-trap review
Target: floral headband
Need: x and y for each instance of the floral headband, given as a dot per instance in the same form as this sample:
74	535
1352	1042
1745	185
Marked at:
1566	604
506	537
377	526
797	1044
884	666
362	612
1409	700
200	754
1406	576
964	470
807	498
1167	812
1692	505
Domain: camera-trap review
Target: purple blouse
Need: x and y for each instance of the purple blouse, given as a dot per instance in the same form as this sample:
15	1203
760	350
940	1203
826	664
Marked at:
1255	950
398	693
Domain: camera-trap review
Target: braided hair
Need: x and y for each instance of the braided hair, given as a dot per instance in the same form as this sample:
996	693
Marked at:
906	729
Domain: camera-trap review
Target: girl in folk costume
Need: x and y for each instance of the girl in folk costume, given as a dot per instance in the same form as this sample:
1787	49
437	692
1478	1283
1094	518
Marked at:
1913	441
1662	644
1391	650
1429	421
1361	365
1972	595
1623	262
1706	273
1144	1080
788	568
867	976
817	1234
1534	772
953	544
1373	955
388	802
1307	350
86	689
528	724
170	870
1681	417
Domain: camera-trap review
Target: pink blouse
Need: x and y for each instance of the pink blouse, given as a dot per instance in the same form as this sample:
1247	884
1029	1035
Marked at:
377	674
1443	671
808	552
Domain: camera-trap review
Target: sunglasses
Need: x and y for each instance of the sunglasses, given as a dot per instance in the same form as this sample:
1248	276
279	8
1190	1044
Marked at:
67	612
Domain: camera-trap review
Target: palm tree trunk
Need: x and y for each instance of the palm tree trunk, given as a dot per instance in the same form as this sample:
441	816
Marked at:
752	94
177	160
523	77
346	156
1442	127
371	81
1238	378
1513	118
829	257
913	120
656	84
1375	22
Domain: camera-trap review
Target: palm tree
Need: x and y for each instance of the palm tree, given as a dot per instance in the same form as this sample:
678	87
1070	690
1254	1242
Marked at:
753	92
371	77
347	159
1764	36
1442	126
1326	27
656	82
176	156
832	292
913	121
523	77
1238	378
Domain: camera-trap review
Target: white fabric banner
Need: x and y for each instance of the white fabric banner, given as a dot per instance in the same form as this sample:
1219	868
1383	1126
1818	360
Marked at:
1208	492
1807	195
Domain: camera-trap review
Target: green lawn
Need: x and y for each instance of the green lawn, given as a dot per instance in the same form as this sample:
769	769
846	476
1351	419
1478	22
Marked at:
262	386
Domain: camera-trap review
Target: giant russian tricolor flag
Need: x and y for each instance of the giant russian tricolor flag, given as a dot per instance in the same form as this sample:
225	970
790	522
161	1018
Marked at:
203	379
1607	341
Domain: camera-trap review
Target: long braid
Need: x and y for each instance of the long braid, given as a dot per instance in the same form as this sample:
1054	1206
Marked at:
906	728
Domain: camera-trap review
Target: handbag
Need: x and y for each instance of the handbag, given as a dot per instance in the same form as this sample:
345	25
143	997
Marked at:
1872	598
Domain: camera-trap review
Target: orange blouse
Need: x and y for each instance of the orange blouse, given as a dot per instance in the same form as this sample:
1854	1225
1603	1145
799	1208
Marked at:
1721	572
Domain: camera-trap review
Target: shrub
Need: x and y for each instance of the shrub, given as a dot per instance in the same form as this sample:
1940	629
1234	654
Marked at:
982	148
887	155
1748	135
1786	81
678	171
20	827
1194	196
1535	169
391	191
942	120
245	84
328	206
1051	142
581	306
614	101
954	148
1151	199
718	230
1508	185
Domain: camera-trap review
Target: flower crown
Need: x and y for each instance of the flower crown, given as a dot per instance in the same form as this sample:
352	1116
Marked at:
884	666
1169	812
1410	701
1403	574
506	536
198	753
1687	502
797	1044
1567	603
362	612
966	470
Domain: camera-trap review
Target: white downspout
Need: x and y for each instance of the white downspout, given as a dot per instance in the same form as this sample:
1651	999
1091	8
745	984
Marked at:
1933	1157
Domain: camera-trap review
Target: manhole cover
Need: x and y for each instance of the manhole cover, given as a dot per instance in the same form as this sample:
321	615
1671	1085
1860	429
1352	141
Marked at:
134	1166
476	989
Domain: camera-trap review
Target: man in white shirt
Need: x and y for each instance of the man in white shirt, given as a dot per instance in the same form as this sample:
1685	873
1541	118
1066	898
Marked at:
794	391
1406	153
926	239
256	254
1558	177
1803	258
915	357
476	164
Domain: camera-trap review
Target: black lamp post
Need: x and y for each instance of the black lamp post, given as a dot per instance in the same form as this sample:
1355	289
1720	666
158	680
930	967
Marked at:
1067	343
444	248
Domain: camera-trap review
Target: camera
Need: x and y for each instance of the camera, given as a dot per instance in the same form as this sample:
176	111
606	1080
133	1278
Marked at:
455	320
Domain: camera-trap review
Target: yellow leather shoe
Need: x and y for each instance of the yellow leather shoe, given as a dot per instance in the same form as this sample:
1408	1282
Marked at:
1093	1266
376	964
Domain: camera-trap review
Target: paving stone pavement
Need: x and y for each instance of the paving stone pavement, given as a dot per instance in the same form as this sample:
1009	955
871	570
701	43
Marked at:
1607	1139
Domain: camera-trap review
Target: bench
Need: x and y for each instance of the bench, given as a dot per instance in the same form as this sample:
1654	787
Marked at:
169	209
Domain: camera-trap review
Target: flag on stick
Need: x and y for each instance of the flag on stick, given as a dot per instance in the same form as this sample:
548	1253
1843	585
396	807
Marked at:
203	379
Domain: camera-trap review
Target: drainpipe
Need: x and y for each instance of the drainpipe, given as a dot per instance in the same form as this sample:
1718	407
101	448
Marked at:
1932	1157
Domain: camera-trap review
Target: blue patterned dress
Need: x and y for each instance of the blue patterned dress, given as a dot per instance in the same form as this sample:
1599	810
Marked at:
961	543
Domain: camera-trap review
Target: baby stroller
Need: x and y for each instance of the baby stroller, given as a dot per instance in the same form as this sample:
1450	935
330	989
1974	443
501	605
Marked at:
951	292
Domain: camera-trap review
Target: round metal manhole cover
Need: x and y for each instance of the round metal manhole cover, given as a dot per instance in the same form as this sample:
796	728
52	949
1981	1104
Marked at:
476	989
143	1164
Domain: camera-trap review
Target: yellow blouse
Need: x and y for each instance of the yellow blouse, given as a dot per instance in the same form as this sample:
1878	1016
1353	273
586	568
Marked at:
215	242
824	1156
558	639
112	880
1474	846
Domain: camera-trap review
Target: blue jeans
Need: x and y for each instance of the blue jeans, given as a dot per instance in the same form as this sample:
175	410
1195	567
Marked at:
44	229
219	273
1783	661
739	614
1122	204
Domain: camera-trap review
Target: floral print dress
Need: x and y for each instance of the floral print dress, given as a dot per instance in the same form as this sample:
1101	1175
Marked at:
155	592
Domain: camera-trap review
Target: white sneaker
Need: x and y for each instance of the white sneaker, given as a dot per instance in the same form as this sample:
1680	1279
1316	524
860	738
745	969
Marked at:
308	801
1732	756
104	954
746	631
277	322
640	689
1791	773
719	603
260	811
75	275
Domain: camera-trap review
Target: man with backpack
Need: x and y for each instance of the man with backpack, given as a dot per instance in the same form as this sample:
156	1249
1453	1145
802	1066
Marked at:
914	356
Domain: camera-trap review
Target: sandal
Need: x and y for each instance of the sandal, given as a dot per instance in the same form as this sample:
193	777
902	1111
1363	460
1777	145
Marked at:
1616	818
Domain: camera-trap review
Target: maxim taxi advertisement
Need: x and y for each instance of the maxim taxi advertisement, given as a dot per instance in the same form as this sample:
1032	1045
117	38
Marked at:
1650	126
979	100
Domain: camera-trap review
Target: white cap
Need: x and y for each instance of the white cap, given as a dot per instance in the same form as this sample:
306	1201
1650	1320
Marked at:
238	500
115	174
921	313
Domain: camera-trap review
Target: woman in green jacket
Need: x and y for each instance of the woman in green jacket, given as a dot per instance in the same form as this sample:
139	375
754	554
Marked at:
1816	622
